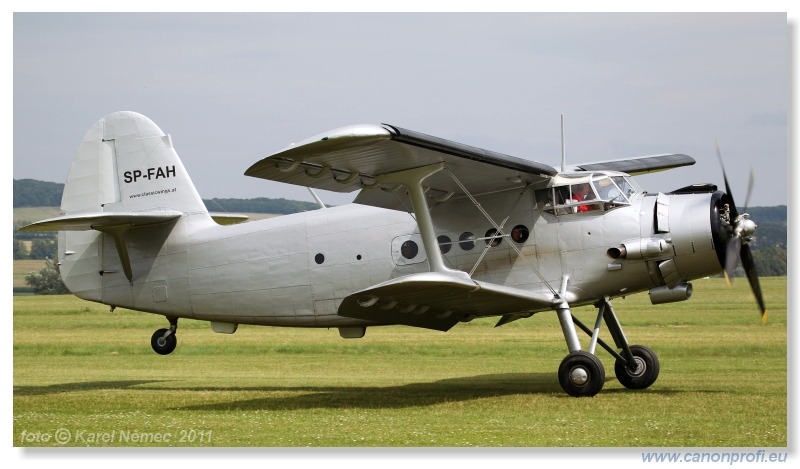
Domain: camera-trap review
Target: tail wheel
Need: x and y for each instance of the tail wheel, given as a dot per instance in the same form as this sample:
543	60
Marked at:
163	345
581	374
646	372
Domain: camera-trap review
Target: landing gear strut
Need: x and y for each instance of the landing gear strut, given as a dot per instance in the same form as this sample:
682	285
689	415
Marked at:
581	373
164	341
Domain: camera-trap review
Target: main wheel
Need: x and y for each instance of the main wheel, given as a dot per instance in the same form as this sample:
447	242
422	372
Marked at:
581	374
646	371
163	345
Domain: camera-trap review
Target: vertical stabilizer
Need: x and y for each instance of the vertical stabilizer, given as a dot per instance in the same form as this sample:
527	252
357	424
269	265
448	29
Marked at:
126	163
125	171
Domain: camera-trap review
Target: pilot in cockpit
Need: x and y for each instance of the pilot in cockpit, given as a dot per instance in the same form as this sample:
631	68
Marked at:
583	192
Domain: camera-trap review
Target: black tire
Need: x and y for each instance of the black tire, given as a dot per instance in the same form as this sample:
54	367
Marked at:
161	345
581	374
646	372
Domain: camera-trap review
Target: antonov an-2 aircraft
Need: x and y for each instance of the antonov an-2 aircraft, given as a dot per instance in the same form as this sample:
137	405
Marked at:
440	233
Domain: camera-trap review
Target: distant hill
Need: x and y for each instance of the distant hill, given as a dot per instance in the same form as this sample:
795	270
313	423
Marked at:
33	193
259	205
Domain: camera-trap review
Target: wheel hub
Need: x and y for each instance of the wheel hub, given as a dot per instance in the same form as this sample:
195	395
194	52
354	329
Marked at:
578	376
640	367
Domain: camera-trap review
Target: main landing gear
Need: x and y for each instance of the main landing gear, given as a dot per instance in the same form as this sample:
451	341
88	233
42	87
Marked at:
164	341
581	373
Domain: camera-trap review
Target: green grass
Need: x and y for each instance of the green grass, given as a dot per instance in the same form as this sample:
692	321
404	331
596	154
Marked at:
79	367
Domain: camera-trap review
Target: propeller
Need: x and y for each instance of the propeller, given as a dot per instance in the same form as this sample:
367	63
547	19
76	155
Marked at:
742	231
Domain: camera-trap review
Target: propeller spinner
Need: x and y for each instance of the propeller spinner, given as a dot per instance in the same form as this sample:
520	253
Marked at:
741	229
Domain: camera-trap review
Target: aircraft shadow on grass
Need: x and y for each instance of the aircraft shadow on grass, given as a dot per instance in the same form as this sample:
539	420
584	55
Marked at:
406	395
391	397
78	386
338	397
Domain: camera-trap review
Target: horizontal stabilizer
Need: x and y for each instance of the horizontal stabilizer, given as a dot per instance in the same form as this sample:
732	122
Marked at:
438	301
639	165
115	225
98	220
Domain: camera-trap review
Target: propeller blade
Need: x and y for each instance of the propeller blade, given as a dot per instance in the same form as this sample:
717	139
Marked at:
752	276
734	212
737	248
750	183
732	257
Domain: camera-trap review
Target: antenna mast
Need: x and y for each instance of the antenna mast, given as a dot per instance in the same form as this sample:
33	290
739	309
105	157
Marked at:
563	149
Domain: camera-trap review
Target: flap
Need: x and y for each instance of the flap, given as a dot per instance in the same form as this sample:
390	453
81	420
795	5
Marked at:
98	220
350	158
439	301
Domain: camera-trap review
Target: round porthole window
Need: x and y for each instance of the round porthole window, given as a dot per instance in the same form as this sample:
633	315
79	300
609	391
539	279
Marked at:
493	241
409	249
466	241
319	258
444	244
520	234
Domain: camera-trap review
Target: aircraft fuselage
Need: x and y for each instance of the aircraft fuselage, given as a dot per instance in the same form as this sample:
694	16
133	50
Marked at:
294	270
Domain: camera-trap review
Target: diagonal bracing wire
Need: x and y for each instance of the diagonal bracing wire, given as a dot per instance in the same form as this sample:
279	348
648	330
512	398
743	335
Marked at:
499	227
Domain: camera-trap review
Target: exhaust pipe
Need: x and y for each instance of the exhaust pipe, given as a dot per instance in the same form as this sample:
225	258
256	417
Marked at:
664	294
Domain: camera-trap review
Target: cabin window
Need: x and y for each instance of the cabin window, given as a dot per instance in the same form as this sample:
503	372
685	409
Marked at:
445	243
520	234
491	239
409	249
466	241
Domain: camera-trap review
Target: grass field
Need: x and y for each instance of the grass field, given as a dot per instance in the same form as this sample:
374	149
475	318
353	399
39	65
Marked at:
32	214
22	268
89	377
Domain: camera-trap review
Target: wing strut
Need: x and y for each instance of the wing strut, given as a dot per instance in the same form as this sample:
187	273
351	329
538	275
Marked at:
412	179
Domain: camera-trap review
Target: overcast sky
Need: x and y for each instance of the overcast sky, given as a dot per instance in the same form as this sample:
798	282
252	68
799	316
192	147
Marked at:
233	88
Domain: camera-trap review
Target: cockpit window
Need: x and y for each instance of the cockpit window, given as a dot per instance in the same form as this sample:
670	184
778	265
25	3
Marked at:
585	193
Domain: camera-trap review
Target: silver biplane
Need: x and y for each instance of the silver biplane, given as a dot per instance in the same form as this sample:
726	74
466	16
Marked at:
440	233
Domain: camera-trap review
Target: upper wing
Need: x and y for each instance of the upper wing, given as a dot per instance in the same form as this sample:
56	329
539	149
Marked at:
639	165
350	158
438	301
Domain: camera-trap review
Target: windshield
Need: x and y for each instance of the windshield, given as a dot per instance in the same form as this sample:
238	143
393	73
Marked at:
616	189
596	191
